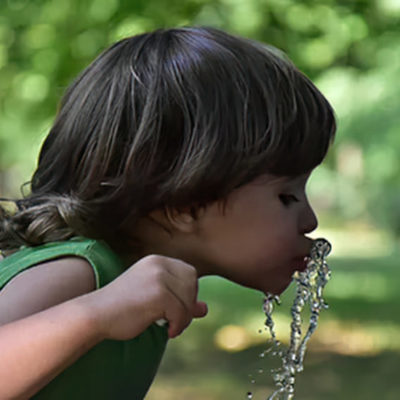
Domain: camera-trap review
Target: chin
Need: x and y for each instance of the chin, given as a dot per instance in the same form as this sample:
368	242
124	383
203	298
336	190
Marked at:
278	288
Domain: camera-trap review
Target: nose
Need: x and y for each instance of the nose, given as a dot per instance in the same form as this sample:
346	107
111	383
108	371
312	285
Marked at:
308	219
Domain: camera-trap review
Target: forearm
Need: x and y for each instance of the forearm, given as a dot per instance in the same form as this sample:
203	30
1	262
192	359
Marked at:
35	349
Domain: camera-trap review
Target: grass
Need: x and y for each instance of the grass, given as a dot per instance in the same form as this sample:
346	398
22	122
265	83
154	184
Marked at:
354	354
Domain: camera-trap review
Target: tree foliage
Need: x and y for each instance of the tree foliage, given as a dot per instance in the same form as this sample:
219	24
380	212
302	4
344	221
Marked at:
350	48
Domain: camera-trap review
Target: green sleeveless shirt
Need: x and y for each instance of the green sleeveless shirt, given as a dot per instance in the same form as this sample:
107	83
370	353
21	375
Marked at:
112	369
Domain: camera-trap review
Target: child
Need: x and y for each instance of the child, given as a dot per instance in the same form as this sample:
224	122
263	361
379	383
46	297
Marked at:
176	154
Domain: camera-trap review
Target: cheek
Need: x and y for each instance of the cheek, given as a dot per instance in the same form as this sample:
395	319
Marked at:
274	236
261	237
270	252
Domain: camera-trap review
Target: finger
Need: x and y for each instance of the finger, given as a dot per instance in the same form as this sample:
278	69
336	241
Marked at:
179	324
184	290
173	331
180	269
177	315
200	309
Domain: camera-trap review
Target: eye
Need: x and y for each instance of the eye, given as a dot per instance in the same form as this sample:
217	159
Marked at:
288	199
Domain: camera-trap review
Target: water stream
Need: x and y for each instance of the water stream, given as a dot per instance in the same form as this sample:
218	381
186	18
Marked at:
309	291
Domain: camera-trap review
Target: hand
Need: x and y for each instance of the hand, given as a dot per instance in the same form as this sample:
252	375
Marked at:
156	287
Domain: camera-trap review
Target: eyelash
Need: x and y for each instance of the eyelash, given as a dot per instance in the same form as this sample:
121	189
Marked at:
287	199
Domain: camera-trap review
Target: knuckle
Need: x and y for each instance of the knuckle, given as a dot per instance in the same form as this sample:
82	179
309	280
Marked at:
153	259
188	271
154	265
192	271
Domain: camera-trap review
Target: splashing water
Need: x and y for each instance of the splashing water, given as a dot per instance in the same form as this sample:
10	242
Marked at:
309	287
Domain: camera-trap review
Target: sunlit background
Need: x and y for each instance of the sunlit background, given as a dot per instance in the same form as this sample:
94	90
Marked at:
351	49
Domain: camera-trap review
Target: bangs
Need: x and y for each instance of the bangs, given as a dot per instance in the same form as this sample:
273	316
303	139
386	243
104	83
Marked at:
262	116
306	131
230	110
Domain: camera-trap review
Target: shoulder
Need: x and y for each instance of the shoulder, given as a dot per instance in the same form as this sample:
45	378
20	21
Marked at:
45	285
105	262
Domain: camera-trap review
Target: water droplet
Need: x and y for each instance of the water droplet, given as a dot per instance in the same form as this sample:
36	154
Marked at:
249	395
278	377
309	289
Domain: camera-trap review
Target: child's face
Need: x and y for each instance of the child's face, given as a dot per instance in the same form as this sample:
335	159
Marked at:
259	241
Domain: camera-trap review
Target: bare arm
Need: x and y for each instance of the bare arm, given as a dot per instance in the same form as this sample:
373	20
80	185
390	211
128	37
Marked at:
42	345
37	348
44	286
34	349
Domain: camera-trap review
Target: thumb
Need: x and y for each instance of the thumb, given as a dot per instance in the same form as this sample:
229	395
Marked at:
200	309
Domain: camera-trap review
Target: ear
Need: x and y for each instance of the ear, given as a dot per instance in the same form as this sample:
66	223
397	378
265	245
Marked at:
183	220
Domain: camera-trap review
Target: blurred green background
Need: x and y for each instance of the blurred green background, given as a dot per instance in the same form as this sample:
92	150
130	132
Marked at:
351	49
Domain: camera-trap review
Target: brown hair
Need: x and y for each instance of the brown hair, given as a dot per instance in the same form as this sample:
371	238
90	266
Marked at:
174	117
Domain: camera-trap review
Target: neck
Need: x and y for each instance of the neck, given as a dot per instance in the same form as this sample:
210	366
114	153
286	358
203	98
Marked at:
153	237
